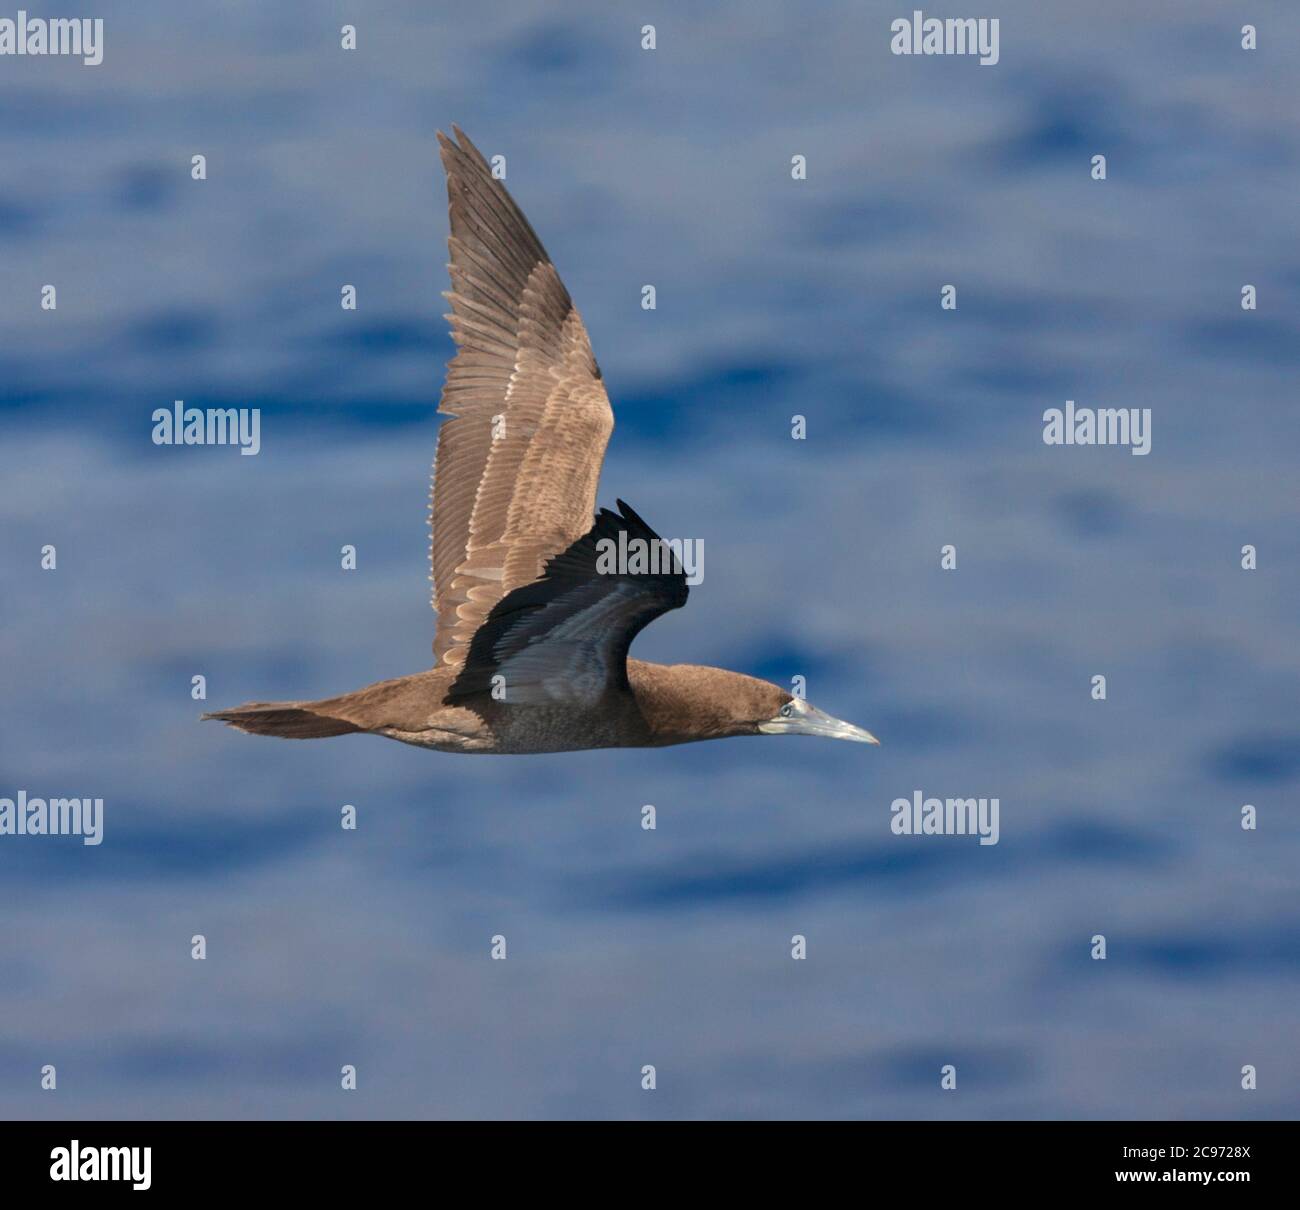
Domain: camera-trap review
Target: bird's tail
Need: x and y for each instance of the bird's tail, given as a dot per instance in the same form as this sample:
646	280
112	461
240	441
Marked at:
288	720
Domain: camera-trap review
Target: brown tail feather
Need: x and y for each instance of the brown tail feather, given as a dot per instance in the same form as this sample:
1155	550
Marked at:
288	720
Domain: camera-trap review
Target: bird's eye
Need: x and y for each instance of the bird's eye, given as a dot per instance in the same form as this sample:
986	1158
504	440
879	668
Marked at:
787	711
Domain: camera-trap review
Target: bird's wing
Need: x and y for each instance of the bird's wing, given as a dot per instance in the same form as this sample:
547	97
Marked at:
515	476
564	638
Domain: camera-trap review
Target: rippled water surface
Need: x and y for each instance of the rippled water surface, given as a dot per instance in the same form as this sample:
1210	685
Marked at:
775	298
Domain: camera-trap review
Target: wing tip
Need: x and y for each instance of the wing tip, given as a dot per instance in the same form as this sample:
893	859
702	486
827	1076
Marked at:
460	144
631	517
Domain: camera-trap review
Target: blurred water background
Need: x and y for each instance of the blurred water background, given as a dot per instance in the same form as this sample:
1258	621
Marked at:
775	297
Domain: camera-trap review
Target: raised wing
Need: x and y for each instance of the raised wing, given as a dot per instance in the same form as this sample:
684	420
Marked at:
515	475
564	638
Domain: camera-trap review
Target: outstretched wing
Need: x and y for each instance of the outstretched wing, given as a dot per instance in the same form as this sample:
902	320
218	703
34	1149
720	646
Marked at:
564	638
515	475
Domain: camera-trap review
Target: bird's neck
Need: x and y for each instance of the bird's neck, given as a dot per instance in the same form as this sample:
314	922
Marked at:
685	702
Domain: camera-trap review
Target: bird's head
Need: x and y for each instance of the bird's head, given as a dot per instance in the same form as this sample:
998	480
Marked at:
794	716
684	702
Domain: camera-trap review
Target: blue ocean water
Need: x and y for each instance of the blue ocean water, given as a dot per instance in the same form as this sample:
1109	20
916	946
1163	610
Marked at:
775	298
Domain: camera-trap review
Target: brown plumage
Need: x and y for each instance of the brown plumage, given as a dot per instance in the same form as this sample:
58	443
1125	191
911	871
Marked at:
533	630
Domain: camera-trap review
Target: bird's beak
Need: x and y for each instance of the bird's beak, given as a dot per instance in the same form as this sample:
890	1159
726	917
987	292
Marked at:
808	720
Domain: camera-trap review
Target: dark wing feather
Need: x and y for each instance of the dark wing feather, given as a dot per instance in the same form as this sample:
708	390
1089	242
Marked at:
517	465
564	638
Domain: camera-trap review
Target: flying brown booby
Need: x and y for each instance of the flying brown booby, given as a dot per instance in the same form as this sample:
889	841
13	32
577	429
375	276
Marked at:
533	629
